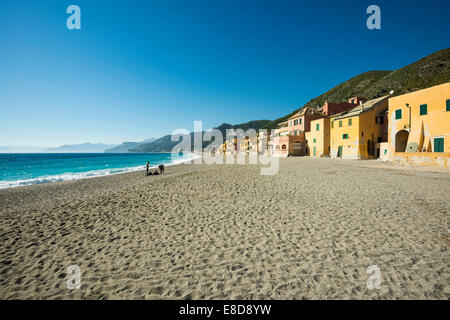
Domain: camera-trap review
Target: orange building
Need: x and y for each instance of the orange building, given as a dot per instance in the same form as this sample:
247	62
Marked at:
419	127
318	139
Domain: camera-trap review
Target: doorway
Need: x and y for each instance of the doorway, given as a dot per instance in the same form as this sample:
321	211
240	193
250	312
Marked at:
401	140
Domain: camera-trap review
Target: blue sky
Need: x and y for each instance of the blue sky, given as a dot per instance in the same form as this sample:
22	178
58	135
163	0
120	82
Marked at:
140	69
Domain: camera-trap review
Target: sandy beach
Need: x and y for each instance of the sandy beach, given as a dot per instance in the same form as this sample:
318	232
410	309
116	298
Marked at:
227	232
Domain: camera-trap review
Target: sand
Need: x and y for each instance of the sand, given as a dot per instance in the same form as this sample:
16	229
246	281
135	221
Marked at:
226	232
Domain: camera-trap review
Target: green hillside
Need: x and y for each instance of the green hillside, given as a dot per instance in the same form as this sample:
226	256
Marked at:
427	72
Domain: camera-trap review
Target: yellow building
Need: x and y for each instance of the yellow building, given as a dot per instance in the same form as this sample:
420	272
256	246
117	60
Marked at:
318	138
419	127
357	133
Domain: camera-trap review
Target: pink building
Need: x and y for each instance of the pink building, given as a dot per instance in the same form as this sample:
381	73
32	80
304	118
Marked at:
301	121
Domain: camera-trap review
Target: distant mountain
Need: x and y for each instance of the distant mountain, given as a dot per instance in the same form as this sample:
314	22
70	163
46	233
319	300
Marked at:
80	148
126	146
21	149
165	144
427	72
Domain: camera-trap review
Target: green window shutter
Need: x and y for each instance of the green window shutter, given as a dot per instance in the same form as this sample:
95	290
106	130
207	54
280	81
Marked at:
332	122
398	114
314	140
438	144
345	136
340	123
349	122
447	108
317	127
300	121
423	109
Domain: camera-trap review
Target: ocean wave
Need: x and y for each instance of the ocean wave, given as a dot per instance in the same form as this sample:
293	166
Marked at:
84	175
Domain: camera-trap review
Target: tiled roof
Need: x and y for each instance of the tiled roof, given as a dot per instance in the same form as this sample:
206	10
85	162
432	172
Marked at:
360	109
306	110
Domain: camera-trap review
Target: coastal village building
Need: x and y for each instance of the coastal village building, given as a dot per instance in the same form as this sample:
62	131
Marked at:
358	132
419	127
296	136
289	138
332	108
318	137
301	121
264	144
280	140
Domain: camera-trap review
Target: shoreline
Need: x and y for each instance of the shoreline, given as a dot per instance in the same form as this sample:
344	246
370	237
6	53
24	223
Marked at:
372	163
82	175
226	232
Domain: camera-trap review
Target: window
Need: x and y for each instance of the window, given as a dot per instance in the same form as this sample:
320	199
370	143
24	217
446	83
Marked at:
295	132
340	123
295	122
349	122
423	109
438	145
300	121
299	131
398	114
362	133
317	127
314	140
447	108
345	136
332	122
379	120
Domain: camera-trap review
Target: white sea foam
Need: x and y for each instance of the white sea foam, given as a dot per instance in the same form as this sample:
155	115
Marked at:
84	175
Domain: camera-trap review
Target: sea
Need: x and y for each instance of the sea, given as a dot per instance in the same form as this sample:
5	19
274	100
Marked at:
34	168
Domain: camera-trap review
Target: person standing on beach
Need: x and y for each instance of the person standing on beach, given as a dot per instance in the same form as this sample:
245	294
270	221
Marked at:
147	166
